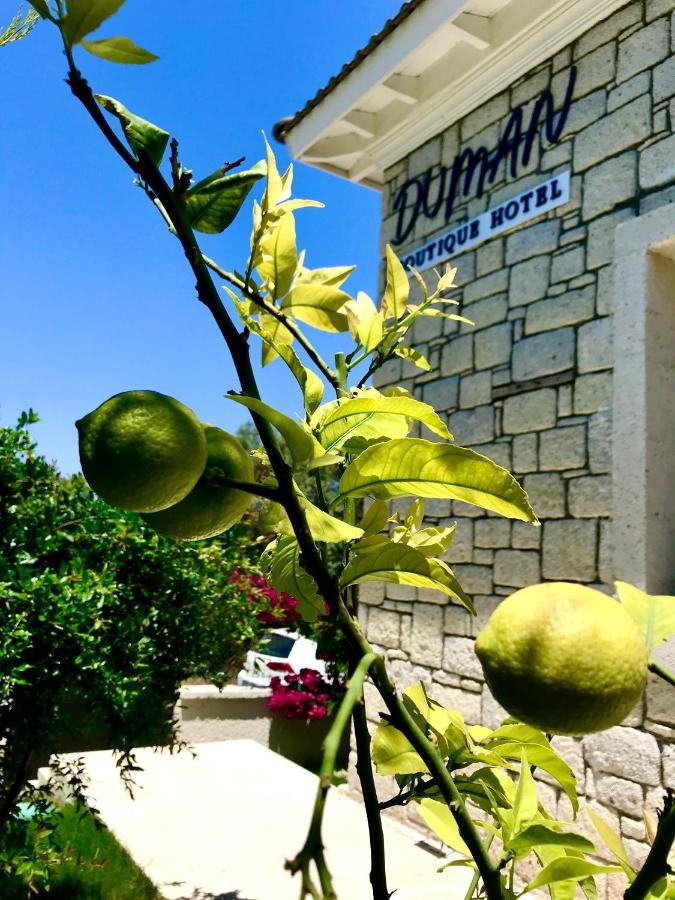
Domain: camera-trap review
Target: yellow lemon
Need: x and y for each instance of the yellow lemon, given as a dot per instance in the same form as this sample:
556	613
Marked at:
209	510
564	658
141	450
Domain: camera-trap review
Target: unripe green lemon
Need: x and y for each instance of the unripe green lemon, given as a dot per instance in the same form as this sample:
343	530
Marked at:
141	450
209	510
564	658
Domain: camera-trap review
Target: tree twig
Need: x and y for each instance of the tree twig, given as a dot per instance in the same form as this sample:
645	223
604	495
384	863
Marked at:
312	849
656	866
661	672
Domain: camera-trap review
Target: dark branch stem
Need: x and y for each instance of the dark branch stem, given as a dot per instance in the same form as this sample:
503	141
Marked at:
656	865
364	769
313	846
661	672
277	314
215	479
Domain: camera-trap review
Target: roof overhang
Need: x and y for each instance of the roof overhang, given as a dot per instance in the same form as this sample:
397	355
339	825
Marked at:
431	65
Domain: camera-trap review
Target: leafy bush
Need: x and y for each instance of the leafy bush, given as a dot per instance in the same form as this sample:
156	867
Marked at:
100	613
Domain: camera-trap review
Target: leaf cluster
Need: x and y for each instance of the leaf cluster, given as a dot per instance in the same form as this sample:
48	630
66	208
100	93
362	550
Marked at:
100	615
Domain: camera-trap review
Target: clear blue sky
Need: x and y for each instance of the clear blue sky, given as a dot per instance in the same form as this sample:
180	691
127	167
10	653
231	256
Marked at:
95	297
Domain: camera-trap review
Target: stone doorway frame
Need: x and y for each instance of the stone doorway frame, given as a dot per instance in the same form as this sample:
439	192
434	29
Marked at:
643	431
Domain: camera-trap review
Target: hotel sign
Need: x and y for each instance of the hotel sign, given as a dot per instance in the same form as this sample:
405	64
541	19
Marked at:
524	206
474	168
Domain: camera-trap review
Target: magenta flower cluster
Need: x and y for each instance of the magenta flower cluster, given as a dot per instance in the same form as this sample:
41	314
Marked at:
274	608
302	695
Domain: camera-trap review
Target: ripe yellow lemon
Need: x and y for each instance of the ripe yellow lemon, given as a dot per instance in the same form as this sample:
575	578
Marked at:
141	450
564	658
209	510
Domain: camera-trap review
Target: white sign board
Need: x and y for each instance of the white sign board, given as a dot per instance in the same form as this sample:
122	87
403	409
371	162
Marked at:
521	208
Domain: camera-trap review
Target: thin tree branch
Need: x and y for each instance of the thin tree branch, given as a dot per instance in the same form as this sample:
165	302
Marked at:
312	849
364	769
216	479
328	373
656	866
661	672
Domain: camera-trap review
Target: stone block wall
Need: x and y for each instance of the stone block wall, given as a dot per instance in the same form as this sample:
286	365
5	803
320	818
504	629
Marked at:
530	385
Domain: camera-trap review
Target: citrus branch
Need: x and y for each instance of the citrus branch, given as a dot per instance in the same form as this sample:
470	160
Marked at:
656	866
328	373
661	672
312	849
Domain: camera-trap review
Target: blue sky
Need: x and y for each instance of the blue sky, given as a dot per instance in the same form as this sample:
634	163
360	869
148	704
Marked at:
95	297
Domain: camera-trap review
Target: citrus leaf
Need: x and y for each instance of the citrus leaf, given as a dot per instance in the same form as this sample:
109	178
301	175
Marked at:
351	416
654	614
399	564
330	275
397	287
544	758
542	835
141	136
612	841
412	466
119	50
310	383
278	258
365	321
213	203
438	817
393	754
318	305
568	868
413	356
85	16
274	335
447	278
432	541
375	518
325	527
286	574
302	445
525	805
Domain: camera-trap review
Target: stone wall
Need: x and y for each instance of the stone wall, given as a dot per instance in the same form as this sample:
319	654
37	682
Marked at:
531	384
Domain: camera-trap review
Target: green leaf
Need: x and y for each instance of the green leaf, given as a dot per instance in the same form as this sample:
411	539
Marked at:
19	27
302	445
365	417
85	16
568	868
325	527
654	614
278	258
365	321
141	136
509	741
40	7
612	841
310	383
318	305
399	564
274	335
542	835
286	574
397	287
525	805
414	467
330	276
432	541
375	518
213	203
119	50
393	754
411	355
438	817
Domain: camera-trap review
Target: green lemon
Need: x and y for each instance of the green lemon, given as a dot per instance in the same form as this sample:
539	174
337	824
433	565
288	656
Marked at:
564	658
209	510
141	450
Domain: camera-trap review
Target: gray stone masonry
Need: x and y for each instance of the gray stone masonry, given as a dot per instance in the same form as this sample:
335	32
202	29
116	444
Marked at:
530	385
